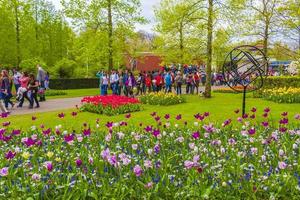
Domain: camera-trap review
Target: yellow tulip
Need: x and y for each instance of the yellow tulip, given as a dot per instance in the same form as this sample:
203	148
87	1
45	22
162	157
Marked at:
50	154
25	155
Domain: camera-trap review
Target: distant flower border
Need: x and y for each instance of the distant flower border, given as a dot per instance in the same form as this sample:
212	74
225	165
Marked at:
161	98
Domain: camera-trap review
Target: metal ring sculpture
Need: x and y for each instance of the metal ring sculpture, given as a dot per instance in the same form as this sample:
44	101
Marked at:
245	69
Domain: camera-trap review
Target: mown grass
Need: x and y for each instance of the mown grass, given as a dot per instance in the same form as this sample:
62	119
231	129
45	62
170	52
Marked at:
220	106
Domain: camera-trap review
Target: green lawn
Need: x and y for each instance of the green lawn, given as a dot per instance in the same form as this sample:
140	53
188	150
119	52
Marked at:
221	107
77	93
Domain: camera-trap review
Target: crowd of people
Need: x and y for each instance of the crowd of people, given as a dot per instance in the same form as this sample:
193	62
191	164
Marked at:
167	79
26	86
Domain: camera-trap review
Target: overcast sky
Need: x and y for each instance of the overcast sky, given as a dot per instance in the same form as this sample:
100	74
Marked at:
147	12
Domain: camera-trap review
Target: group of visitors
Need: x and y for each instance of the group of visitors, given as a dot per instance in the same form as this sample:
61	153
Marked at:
167	79
26	86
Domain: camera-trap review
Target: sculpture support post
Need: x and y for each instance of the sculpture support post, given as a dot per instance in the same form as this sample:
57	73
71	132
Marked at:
244	69
244	101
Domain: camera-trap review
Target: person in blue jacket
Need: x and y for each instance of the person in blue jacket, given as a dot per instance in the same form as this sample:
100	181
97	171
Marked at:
100	76
168	82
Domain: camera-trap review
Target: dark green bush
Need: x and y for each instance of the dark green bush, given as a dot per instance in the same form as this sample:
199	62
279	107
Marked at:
65	84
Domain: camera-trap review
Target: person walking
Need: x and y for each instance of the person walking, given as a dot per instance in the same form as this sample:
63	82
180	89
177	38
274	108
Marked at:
16	79
178	83
100	76
33	88
104	84
6	89
114	79
41	75
2	106
139	84
196	82
24	80
168	82
148	82
125	82
131	84
47	81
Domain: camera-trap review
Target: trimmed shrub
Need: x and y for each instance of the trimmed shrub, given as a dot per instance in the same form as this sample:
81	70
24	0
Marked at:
65	84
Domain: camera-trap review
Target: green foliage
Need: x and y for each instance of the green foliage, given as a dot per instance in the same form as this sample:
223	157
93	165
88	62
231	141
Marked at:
161	98
30	65
282	81
42	32
65	68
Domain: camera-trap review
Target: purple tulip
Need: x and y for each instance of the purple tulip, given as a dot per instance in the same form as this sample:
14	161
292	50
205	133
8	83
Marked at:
5	124
148	128
47	132
48	165
68	138
196	135
267	110
167	116
137	170
265	124
74	114
4	171
178	117
253	110
78	162
61	115
284	114
16	132
10	155
251	131
87	132
128	116
155	132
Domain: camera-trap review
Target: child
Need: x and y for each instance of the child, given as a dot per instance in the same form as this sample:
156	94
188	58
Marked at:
23	88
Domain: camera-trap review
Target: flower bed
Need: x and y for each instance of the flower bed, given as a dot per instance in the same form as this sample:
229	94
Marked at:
241	158
282	95
238	89
110	105
161	98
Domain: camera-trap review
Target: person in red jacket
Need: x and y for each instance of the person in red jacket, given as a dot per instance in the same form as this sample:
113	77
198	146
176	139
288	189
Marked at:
148	81
196	82
159	82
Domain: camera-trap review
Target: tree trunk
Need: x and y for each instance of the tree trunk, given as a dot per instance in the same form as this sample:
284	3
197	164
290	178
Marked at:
110	36
36	28
181	47
266	38
207	93
16	8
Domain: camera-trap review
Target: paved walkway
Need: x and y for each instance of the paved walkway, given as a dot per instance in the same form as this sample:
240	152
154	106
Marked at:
47	106
59	104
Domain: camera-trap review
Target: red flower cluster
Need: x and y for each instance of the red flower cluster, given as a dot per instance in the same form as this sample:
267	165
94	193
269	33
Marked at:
110	100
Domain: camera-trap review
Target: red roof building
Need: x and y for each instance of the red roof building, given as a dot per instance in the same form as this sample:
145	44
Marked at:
145	61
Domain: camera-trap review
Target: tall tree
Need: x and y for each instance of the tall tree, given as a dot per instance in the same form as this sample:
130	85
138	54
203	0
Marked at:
105	16
178	29
289	15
